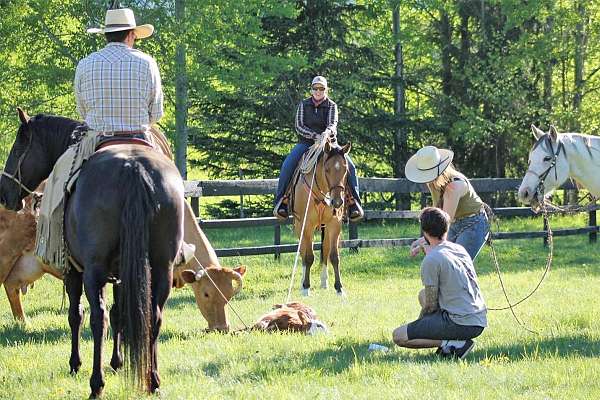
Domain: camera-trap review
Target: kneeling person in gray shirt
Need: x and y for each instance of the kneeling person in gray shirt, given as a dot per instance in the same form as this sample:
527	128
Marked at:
453	311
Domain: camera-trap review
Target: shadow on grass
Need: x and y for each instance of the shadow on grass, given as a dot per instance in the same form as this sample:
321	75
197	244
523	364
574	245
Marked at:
346	355
17	333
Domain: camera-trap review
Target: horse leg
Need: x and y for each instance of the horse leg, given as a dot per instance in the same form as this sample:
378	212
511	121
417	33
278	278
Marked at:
14	298
94	284
333	237
308	257
325	249
161	287
74	287
116	360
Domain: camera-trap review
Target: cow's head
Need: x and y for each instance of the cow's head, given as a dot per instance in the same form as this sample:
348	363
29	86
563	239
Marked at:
210	300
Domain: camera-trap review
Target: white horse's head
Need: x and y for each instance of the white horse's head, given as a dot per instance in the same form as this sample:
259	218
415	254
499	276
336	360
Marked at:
548	167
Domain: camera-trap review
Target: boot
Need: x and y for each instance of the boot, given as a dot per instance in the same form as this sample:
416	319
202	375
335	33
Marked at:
281	209
355	211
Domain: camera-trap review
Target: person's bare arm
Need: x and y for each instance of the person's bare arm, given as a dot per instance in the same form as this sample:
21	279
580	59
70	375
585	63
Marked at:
452	194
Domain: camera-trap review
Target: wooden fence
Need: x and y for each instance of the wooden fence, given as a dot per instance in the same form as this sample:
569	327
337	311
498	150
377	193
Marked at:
198	189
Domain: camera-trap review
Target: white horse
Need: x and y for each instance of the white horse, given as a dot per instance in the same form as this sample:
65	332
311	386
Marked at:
557	156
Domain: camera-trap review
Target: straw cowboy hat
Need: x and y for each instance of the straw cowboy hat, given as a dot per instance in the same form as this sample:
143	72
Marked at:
122	19
427	164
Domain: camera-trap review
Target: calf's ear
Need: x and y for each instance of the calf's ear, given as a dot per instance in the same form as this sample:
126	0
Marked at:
190	276
240	270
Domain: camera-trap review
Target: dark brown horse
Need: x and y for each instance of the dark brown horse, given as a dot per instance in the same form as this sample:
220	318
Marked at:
325	207
123	223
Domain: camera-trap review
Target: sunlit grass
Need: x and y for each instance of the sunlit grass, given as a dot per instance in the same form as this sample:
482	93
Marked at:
561	361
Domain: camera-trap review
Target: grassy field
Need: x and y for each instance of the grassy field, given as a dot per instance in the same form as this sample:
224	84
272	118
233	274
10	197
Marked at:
561	362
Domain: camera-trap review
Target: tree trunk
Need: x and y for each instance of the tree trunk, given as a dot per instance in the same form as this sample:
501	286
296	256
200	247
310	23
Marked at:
400	136
181	91
580	50
548	69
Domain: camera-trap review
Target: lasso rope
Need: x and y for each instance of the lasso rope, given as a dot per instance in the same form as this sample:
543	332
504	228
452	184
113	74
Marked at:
310	163
227	302
497	268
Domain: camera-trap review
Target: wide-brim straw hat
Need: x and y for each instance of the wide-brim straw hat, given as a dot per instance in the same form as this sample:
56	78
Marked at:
122	19
427	164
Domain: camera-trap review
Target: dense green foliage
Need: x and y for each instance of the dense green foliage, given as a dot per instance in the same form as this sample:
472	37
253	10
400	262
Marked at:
507	363
475	74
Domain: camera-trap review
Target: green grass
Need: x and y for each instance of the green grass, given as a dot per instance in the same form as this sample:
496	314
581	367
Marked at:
508	362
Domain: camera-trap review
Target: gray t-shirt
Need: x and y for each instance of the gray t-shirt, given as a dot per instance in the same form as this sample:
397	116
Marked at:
449	267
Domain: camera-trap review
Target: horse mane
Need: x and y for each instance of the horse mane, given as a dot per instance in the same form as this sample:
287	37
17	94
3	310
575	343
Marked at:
574	139
54	122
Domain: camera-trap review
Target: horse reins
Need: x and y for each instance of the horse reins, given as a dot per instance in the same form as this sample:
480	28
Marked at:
538	192
17	178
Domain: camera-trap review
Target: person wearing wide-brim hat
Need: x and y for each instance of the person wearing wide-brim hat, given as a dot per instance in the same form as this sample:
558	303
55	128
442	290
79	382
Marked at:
451	191
118	88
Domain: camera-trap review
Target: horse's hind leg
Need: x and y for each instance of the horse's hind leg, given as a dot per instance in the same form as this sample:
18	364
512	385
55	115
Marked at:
325	249
308	257
116	360
74	287
161	287
95	282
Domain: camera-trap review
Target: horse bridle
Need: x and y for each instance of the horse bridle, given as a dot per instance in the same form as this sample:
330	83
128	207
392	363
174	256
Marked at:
17	178
326	195
543	175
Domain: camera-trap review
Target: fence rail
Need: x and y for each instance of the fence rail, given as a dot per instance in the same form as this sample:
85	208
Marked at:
198	189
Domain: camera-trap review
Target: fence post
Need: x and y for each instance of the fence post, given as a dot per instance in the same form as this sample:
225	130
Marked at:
353	234
277	240
195	203
545	236
593	237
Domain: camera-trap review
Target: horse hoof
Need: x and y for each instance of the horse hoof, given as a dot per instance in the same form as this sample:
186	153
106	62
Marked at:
116	364
341	293
305	292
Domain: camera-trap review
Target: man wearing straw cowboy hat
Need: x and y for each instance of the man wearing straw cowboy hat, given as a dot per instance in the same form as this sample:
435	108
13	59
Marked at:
119	96
452	192
118	89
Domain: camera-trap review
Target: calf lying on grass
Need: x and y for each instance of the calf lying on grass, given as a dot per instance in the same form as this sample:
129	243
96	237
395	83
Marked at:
293	317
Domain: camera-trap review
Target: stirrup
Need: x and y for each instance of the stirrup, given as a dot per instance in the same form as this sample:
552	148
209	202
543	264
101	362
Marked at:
281	211
355	211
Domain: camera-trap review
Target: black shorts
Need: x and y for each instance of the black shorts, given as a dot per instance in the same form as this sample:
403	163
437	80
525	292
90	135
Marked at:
439	326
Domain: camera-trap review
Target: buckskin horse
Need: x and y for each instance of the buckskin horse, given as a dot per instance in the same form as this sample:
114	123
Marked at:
554	158
325	207
129	236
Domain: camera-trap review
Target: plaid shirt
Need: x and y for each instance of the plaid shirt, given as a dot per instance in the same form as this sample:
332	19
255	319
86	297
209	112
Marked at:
118	89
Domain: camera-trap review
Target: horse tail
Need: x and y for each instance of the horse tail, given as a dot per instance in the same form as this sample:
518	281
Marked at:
134	271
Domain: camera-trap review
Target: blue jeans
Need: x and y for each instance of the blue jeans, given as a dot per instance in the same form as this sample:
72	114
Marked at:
289	166
470	232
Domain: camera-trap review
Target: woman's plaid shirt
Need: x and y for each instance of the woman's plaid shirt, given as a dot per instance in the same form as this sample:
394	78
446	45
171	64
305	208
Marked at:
118	89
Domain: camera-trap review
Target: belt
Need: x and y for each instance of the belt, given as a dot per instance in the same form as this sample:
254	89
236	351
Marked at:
121	133
482	210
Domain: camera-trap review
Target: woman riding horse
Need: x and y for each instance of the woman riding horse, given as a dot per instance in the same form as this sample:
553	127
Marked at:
316	116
